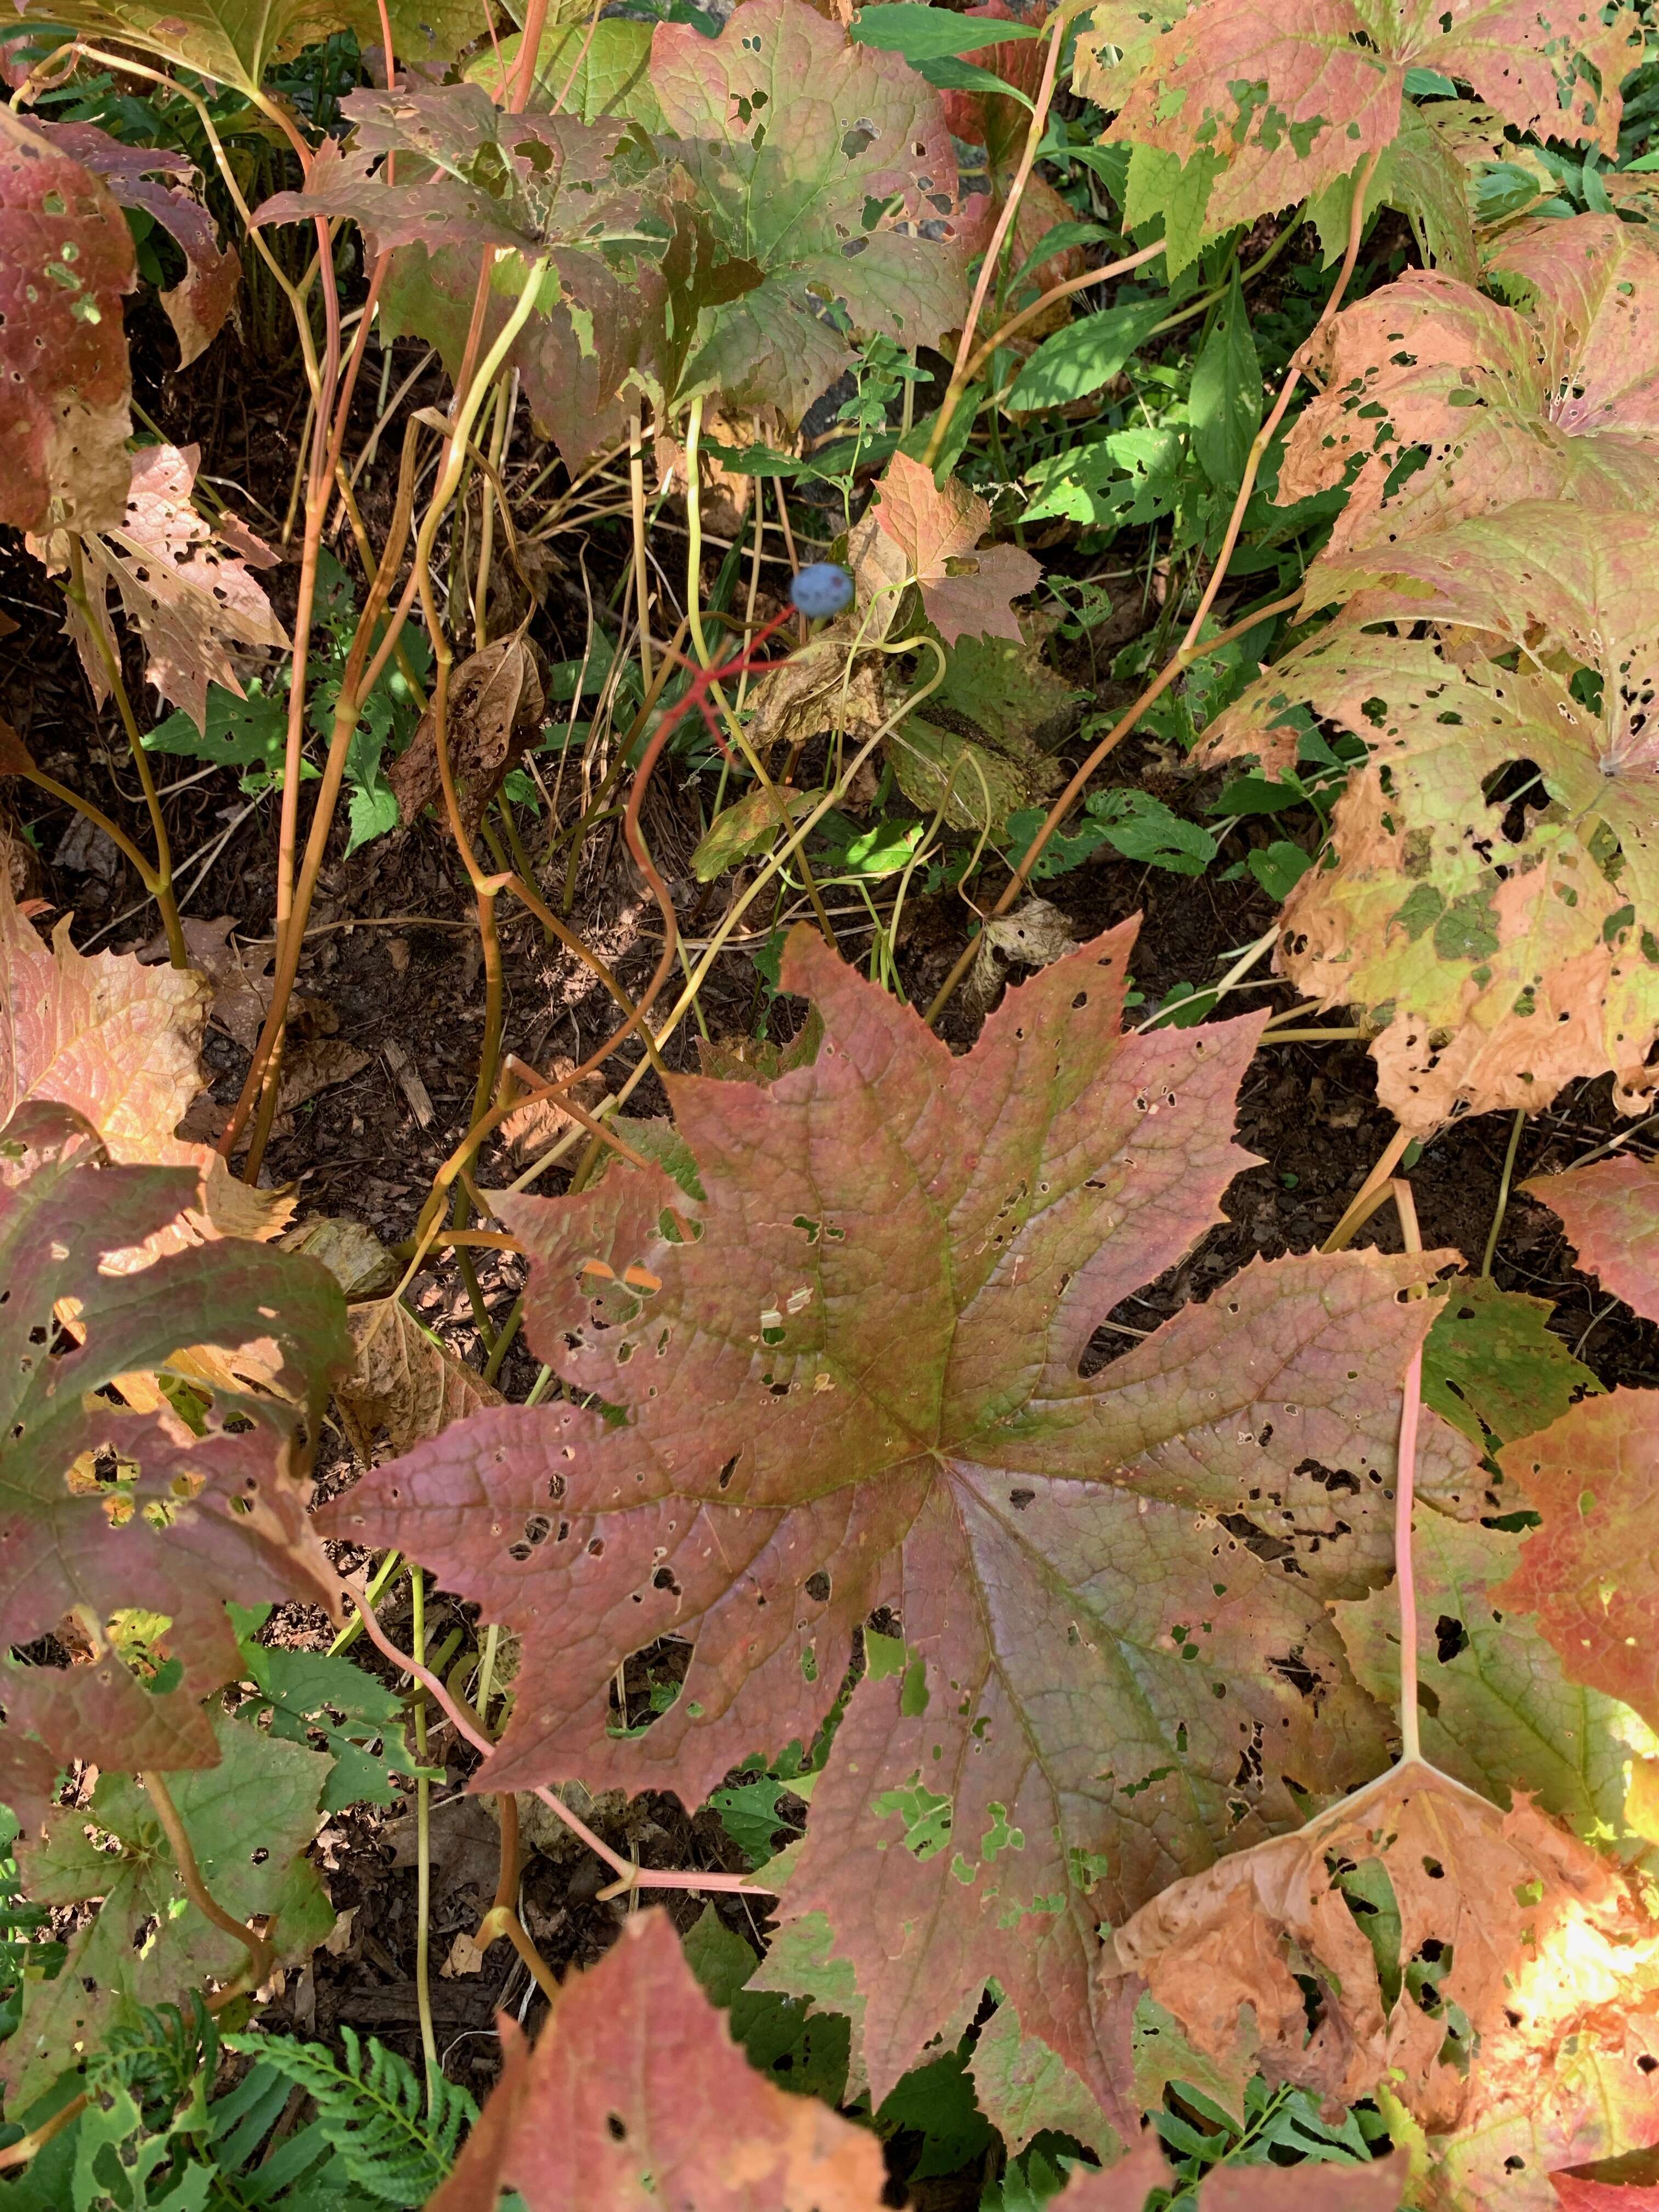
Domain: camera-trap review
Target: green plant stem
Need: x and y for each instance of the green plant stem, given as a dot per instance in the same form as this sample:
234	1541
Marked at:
261	1957
353	1628
960	373
1502	1205
95	623
117	835
422	1849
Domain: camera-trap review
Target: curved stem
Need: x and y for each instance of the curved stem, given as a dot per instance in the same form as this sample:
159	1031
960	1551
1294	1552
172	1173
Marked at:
1502	1205
160	885
503	1920
960	374
261	1957
1372	1194
634	1876
1015	323
113	831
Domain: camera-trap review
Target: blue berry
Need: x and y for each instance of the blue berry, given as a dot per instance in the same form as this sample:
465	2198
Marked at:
822	589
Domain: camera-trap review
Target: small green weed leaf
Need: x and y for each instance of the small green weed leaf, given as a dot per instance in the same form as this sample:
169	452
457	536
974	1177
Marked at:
247	733
1143	827
314	1692
922	34
1226	406
1084	357
66	262
249	1818
1279	868
1493	1367
827	1352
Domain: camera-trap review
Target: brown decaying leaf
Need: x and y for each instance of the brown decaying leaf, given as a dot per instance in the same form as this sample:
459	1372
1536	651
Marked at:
1554	397
1611	1213
851	1380
635	2098
66	258
1525	1960
117	1041
823	686
354	1255
1501	943
1268	104
161	182
542	1121
404	1385
189	596
495	705
913	533
107	1507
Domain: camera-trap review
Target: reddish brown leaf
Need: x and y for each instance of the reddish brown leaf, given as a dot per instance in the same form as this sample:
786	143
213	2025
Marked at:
190	598
1377	2188
1269	105
473	180
1555	398
66	257
1516	1943
14	758
851	1377
1124	2187
1583	2193
1498	942
636	2099
914	534
160	181
1610	1210
1591	1572
107	1508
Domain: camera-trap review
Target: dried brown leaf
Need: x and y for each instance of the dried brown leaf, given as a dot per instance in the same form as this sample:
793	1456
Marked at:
495	703
404	1387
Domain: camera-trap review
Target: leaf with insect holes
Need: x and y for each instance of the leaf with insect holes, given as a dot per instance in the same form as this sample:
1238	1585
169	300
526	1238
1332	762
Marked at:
1498	1709
108	1508
613	2106
1499	857
473	181
1268	105
190	595
1497	1975
237	40
606	65
66	259
913	533
157	181
117	1042
1591	1572
249	1819
1493	1366
827	168
1611	1213
1554	397
849	1377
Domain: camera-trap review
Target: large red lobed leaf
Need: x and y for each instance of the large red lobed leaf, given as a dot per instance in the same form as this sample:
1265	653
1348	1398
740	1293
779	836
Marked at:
1611	1211
850	1375
66	257
636	2100
103	1508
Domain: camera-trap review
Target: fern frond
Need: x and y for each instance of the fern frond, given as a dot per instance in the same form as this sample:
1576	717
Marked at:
373	2112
